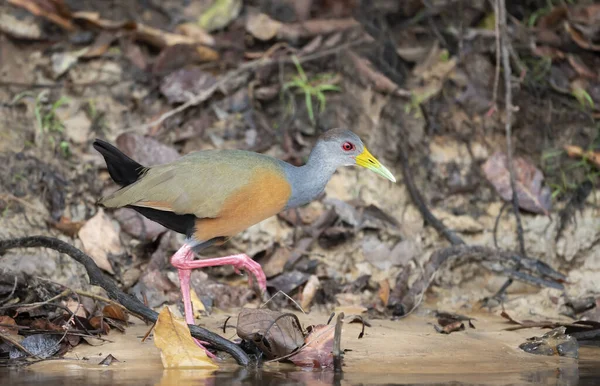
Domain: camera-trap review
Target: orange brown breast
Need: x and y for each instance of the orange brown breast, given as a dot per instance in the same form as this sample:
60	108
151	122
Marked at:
266	194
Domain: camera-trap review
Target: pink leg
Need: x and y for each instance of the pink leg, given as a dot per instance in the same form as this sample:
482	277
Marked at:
184	280
184	261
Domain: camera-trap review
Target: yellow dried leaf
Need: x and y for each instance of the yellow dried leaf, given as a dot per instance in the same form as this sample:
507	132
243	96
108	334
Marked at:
197	304
177	347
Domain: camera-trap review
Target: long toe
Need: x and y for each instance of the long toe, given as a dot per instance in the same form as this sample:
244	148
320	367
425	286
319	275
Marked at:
251	266
201	344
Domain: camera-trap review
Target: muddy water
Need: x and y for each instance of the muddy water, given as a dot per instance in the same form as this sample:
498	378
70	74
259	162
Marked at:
391	353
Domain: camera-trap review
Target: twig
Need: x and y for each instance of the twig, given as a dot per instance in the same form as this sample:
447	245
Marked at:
504	49
133	305
429	217
100	298
337	343
497	222
33	306
497	71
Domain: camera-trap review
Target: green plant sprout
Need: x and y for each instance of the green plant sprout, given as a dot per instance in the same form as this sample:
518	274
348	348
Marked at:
316	88
583	97
47	121
564	185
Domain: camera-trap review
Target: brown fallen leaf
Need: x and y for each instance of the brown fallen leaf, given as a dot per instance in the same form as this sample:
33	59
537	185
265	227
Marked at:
384	291
310	290
98	323
100	239
5	326
177	347
114	312
68	227
533	196
317	351
276	334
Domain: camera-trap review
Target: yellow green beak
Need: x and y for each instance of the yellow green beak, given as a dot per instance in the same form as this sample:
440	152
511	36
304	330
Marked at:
366	160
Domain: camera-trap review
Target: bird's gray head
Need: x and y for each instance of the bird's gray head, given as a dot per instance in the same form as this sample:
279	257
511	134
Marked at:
341	147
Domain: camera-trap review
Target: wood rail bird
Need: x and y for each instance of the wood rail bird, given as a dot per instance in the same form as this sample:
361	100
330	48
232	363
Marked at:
211	195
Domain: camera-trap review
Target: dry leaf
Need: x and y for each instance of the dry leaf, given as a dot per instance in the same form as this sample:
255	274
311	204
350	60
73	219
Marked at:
318	348
19	28
197	304
195	32
98	323
276	334
533	197
5	323
220	14
262	27
76	308
384	292
115	312
156	37
309	291
177	347
68	227
100	239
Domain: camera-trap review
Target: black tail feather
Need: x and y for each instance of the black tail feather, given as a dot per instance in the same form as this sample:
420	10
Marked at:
122	169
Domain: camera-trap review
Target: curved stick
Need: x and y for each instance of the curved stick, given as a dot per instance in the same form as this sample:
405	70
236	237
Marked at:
133	305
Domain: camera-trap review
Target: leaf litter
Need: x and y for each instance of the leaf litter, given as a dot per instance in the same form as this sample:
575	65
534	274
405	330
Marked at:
293	268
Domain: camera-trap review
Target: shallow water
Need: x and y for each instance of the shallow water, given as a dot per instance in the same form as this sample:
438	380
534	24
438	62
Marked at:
586	373
409	352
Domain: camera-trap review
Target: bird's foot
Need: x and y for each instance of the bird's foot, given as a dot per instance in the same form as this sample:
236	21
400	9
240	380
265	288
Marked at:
245	263
201	344
182	261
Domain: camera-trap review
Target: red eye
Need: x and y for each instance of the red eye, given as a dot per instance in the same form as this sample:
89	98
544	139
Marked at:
348	146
